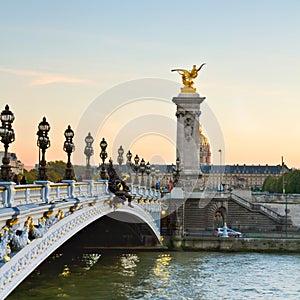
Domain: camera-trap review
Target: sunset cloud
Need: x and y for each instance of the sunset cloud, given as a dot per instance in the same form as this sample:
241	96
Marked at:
43	78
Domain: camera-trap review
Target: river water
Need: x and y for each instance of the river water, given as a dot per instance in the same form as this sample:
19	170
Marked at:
164	275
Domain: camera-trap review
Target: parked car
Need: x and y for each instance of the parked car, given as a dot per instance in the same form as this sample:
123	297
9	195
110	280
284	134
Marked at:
231	233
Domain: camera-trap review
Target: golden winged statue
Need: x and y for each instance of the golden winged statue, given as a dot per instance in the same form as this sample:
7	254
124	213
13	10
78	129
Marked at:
188	78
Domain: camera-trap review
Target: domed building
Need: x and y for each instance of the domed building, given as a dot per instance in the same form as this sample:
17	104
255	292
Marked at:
205	153
235	176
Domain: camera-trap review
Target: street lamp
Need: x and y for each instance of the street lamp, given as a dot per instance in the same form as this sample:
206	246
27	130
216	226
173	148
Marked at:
69	147
148	172
176	171
103	156
120	158
285	196
220	169
136	167
142	170
7	136
88	151
153	177
129	164
43	143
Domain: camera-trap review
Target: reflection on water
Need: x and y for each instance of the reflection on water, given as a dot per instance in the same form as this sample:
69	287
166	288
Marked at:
65	272
161	267
90	259
155	275
129	264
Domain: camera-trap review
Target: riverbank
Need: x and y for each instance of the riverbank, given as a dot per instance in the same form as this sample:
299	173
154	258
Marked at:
234	244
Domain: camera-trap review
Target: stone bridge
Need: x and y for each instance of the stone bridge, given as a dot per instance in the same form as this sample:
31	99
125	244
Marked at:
37	219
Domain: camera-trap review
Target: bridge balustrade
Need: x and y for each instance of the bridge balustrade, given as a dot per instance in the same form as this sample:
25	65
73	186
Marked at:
15	195
58	192
27	194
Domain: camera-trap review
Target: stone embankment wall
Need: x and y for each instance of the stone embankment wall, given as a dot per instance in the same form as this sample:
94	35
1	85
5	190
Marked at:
235	244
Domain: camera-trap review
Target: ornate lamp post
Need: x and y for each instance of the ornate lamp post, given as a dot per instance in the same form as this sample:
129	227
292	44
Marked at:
142	169
129	164
220	188
176	171
103	156
69	148
43	143
120	158
148	171
136	167
88	151
153	177
285	196
7	136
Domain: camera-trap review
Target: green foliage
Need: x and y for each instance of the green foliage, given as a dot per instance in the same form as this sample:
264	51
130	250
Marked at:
270	184
291	183
56	172
30	175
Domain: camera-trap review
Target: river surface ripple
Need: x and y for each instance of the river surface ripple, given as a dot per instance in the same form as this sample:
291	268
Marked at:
164	275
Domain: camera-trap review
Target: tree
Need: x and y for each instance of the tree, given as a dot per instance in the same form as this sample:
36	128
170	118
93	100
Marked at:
31	175
291	183
269	184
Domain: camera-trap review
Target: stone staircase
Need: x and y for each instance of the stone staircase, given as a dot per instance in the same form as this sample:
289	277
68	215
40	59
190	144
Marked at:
241	215
248	217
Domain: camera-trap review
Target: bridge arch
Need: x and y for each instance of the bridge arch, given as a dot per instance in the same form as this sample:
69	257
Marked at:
27	259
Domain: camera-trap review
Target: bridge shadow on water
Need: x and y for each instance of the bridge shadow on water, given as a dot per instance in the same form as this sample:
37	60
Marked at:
111	232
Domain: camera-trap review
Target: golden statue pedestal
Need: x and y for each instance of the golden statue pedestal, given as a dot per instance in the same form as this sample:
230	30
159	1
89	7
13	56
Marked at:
188	90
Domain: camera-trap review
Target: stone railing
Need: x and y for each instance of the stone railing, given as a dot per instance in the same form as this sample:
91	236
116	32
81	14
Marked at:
275	198
257	207
12	195
15	199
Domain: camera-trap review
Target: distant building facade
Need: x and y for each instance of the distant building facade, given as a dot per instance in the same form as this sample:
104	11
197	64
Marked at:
239	176
228	176
234	176
16	165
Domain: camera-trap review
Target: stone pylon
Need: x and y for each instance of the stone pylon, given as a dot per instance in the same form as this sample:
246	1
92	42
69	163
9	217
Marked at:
188	138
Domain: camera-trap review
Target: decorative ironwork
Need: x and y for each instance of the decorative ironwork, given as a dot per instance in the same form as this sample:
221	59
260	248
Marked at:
69	147
142	170
103	156
176	171
88	151
7	136
129	165
148	172
136	167
153	177
120	159
43	143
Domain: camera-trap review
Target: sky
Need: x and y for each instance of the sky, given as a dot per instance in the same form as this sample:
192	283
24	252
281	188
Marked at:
66	59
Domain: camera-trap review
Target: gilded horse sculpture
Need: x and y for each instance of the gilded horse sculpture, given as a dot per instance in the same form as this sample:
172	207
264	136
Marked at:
188	78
